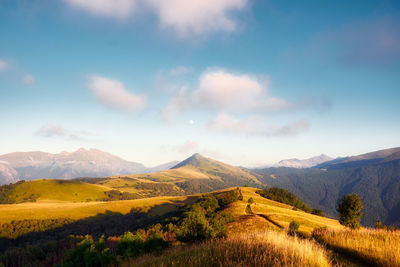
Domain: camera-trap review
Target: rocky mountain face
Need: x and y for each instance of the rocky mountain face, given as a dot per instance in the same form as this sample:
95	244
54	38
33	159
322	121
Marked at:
305	163
65	165
7	174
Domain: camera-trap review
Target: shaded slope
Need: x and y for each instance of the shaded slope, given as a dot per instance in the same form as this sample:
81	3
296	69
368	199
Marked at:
376	180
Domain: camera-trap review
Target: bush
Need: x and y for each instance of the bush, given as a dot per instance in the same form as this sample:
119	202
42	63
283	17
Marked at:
89	253
230	197
248	209
318	212
294	227
349	209
130	245
209	203
250	200
195	225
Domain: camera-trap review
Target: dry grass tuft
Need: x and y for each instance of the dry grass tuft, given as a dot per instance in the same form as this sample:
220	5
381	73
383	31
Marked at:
258	249
376	247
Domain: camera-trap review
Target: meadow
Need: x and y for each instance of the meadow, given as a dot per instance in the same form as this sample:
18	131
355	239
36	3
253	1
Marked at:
371	246
258	236
266	248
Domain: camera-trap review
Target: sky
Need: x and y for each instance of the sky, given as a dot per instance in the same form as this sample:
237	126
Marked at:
248	82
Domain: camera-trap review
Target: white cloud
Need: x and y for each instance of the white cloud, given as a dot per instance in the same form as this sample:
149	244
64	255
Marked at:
180	70
235	92
183	16
255	125
197	16
3	65
54	130
113	94
117	9
224	91
28	79
188	147
176	104
51	131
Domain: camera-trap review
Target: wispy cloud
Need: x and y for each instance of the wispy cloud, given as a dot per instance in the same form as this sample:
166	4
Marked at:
51	131
375	43
256	125
113	94
3	65
115	9
188	147
57	131
28	79
180	70
367	43
194	17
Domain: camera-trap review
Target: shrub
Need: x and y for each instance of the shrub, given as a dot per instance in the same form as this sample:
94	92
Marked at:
194	225
89	253
294	227
230	197
250	200
317	212
209	203
248	209
349	209
130	245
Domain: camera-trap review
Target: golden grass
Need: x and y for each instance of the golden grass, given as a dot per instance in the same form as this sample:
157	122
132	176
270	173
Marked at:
280	214
377	247
186	172
81	210
59	190
268	248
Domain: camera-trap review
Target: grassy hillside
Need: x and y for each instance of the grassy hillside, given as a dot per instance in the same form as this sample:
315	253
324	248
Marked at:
58	190
81	210
274	215
257	236
197	174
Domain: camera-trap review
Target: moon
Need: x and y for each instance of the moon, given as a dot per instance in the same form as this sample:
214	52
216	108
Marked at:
191	122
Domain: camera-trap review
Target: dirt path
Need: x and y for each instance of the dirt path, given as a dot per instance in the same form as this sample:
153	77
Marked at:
270	220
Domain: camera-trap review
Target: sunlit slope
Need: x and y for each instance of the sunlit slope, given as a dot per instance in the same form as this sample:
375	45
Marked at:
58	190
271	214
81	210
267	213
196	174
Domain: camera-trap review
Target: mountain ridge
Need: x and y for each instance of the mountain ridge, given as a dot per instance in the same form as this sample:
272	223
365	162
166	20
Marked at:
67	165
303	163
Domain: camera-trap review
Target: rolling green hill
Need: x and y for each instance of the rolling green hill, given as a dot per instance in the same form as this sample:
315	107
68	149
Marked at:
58	190
196	174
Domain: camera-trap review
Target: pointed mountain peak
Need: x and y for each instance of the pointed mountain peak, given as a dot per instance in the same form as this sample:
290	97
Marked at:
194	160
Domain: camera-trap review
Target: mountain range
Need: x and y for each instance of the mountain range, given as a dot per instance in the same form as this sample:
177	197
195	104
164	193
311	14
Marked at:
305	163
66	165
374	176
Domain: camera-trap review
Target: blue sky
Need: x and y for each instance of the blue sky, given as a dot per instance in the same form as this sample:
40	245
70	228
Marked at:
246	82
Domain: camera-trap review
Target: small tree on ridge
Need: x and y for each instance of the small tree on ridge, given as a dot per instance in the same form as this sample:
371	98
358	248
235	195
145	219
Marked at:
349	209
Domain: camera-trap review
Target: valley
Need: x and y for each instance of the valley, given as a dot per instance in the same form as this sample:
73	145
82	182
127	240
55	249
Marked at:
70	212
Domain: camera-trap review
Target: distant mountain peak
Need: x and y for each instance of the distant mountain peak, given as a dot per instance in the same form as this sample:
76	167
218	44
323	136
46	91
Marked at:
193	160
303	163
